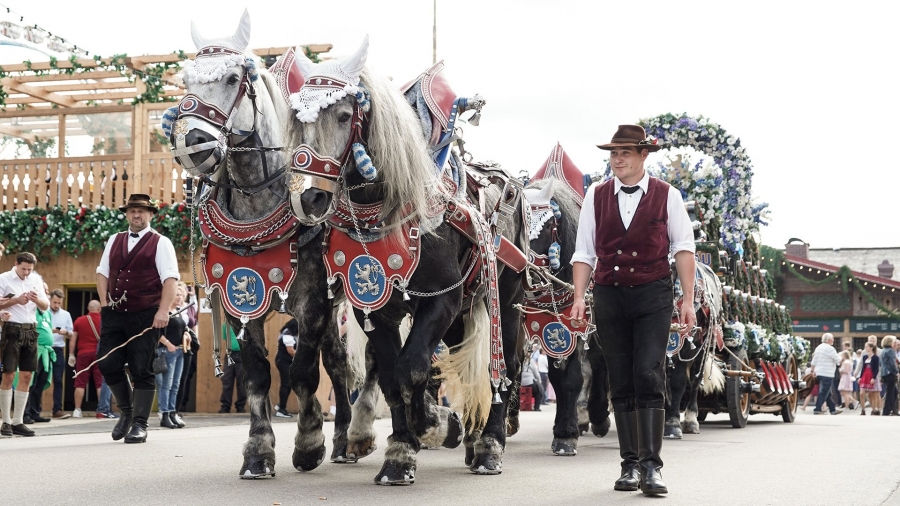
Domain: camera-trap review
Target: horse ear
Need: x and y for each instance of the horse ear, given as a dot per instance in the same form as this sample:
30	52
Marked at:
241	37
547	191
303	62
354	64
199	41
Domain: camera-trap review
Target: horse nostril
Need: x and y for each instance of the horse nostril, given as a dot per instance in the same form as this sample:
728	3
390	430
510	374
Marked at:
314	200
195	137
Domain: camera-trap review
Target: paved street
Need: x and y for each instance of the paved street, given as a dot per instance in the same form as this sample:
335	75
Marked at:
817	460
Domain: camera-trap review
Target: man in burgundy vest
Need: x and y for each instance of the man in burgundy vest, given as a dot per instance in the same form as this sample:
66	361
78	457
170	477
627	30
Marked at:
628	228
136	280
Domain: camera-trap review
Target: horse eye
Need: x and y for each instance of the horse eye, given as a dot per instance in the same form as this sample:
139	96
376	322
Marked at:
344	117
232	80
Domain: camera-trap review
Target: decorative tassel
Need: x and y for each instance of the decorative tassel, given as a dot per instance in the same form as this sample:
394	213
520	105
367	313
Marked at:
362	98
240	336
244	320
250	65
553	254
168	119
364	163
556	212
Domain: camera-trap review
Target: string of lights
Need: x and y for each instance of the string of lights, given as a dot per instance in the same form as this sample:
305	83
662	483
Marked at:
35	34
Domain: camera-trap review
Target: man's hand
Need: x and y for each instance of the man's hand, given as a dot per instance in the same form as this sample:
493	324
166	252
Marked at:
22	299
5	315
686	316
71	360
577	312
161	319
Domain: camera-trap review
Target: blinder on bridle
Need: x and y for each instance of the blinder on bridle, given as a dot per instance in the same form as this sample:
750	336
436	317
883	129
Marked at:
194	114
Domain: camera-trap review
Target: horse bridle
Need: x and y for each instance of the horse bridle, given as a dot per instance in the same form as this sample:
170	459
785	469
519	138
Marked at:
543	260
195	113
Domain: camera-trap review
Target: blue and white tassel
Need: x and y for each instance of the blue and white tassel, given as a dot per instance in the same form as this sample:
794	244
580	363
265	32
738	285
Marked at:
556	212
553	254
364	163
168	119
250	65
362	98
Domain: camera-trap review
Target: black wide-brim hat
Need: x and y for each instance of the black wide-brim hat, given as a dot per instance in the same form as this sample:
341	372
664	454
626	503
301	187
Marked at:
140	200
631	136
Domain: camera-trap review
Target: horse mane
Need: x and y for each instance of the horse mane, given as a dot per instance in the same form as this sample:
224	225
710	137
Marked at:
398	149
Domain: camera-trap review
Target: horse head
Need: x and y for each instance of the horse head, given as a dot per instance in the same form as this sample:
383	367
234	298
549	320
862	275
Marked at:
229	111
354	135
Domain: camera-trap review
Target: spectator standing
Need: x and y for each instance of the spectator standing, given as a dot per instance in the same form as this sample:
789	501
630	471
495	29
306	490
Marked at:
845	386
40	381
233	374
167	382
888	362
62	330
824	361
83	352
543	368
531	379
868	385
18	341
190	364
287	347
136	280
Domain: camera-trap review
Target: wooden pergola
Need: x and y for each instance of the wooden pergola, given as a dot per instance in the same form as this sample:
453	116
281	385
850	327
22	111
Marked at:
86	132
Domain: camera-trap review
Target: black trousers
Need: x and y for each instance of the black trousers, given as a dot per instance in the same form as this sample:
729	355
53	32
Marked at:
116	327
36	392
233	374
633	328
59	367
284	370
890	394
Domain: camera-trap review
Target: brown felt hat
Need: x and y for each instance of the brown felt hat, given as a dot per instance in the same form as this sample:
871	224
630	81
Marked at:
632	136
140	200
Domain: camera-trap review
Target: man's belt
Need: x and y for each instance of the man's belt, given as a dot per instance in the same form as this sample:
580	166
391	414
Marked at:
23	326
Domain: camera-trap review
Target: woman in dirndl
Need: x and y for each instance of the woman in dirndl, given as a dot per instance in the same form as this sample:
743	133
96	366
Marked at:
845	387
869	386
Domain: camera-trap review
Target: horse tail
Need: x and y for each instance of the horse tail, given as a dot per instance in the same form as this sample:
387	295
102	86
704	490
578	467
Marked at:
464	368
356	350
713	377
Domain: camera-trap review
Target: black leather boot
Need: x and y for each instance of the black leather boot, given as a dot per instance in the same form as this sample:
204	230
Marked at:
626	428
651	423
143	401
166	421
124	399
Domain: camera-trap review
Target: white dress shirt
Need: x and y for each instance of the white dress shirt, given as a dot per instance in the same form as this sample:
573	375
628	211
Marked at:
11	283
61	319
680	231
166	262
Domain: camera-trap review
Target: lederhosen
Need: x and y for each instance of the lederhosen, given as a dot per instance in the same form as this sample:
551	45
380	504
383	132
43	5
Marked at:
134	292
633	296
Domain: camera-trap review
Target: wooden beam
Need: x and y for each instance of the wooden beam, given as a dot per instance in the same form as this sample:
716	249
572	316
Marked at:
15	132
102	85
10	83
78	76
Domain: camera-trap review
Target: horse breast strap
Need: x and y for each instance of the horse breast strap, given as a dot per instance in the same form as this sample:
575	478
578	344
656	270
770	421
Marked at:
369	270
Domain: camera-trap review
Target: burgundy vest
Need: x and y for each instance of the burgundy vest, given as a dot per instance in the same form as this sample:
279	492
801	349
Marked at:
639	254
133	277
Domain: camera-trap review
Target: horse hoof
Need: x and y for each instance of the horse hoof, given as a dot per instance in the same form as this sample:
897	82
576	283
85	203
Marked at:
602	429
690	427
362	448
339	456
672	430
307	461
512	426
564	447
395	473
258	467
470	456
583	429
454	431
486	465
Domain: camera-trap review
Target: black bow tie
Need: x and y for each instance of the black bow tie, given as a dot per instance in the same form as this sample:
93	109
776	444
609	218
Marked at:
629	189
134	235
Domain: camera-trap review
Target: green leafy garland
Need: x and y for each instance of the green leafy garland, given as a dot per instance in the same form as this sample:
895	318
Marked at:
48	232
775	262
151	75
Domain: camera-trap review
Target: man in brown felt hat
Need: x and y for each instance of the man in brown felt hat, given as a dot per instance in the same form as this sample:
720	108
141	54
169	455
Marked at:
136	280
628	229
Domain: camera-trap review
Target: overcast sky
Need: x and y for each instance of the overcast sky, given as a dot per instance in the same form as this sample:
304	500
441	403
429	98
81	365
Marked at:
809	87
